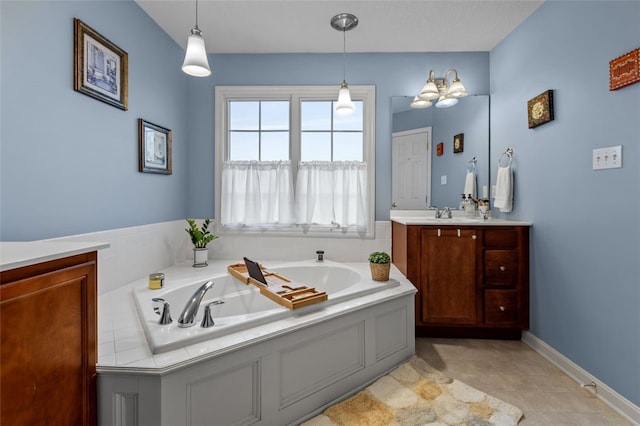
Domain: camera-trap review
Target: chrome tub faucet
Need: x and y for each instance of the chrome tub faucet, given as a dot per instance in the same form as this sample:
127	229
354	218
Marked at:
188	315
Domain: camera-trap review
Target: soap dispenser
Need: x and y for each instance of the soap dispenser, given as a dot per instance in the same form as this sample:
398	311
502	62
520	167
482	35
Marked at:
463	203
470	207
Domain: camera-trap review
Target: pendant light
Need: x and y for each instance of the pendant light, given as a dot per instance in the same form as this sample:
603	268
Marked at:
344	22
195	58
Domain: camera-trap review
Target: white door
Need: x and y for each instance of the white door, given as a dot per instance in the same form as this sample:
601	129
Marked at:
411	169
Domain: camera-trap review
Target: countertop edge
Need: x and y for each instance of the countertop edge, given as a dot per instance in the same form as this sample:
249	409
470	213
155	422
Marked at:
454	222
19	254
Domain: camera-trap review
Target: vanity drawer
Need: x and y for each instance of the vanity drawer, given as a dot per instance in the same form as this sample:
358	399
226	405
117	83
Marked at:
501	238
501	307
501	267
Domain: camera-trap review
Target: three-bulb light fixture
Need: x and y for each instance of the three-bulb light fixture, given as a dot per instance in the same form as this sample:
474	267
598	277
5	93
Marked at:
439	89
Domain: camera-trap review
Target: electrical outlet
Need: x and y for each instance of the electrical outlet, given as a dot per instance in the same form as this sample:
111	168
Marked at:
443	180
607	158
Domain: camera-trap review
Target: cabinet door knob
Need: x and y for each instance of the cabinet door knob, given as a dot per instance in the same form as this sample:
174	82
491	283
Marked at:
501	308
503	268
474	237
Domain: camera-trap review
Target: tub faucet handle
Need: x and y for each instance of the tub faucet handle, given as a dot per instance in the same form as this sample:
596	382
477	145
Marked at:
165	315
207	319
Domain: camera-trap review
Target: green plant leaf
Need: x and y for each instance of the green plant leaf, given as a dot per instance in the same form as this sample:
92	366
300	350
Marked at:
200	236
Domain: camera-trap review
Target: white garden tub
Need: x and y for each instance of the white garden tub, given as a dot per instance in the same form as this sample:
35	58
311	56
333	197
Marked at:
244	307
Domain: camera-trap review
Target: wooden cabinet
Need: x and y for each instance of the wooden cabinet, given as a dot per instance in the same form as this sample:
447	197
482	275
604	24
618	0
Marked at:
472	281
48	343
448	286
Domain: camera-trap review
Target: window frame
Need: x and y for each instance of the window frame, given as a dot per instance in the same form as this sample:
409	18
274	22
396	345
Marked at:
295	94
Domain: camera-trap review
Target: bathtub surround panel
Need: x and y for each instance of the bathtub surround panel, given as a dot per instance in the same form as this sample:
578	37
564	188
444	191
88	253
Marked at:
279	373
304	373
237	402
388	339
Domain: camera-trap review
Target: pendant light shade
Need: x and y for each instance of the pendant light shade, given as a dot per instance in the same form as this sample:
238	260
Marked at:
420	103
344	22
446	102
195	58
430	91
344	105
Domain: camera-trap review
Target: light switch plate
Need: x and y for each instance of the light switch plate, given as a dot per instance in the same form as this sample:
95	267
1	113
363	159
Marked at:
607	158
443	180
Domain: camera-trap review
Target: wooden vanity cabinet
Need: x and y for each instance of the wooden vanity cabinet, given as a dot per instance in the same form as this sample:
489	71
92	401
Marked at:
442	249
48	344
472	281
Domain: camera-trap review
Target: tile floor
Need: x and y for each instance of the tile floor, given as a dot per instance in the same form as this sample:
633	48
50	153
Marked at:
512	371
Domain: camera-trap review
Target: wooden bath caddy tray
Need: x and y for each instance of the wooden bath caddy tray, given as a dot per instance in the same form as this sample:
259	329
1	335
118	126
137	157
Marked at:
280	289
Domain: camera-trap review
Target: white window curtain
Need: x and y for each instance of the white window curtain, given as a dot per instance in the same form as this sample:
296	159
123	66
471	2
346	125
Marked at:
257	193
332	193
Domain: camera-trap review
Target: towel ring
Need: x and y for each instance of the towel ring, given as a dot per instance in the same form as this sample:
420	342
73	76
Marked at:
472	165
506	158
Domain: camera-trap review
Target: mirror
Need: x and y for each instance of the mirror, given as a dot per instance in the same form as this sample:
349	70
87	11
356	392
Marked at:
444	174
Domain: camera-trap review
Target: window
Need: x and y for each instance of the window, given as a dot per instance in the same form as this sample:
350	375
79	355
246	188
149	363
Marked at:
326	136
282	151
258	130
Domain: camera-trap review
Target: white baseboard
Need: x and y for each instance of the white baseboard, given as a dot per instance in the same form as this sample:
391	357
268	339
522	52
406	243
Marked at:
617	402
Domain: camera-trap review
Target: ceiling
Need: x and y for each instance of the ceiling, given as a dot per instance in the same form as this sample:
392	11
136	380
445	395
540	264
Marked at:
302	26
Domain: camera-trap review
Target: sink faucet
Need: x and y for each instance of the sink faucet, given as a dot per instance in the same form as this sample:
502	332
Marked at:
188	315
444	213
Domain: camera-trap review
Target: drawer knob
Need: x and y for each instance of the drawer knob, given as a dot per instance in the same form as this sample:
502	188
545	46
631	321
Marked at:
503	268
474	237
501	308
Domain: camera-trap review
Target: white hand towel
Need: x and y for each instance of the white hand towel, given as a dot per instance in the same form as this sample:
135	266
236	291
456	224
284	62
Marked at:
504	190
470	184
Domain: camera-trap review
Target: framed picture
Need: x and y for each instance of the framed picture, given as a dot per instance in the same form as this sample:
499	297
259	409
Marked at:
440	148
154	148
540	109
458	143
624	70
100	67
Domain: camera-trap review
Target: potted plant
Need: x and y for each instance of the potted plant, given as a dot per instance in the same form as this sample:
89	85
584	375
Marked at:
380	263
200	237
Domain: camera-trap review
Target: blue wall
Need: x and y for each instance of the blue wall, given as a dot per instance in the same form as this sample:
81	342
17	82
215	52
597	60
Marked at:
69	163
391	73
585	251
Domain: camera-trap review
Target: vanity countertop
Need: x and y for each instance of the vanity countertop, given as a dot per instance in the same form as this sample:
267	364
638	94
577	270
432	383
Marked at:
427	217
25	253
